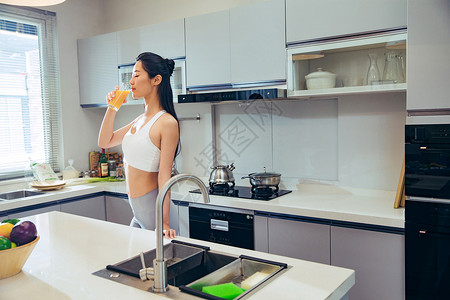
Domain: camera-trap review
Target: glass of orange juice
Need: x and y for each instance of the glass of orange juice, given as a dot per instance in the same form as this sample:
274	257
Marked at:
118	99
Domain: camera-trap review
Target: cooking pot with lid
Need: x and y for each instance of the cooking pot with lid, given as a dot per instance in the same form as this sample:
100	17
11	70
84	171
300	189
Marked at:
264	179
222	175
320	79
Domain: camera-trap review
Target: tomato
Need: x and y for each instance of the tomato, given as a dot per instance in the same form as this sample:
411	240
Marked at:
4	243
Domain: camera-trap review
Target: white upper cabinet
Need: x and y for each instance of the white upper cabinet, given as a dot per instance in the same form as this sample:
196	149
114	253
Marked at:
128	46
165	39
307	20
208	49
258	46
97	68
428	56
242	45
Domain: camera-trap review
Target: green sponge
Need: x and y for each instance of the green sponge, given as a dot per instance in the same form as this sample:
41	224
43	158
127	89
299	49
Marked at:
225	290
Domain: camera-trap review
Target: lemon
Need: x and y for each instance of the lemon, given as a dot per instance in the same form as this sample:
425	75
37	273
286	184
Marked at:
5	230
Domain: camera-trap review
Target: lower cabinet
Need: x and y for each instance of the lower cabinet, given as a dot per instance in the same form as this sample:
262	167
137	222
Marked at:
118	210
93	207
260	224
376	257
174	221
297	239
182	218
36	211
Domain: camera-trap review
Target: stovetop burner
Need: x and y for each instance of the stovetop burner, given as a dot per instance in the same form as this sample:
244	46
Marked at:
244	192
264	192
222	190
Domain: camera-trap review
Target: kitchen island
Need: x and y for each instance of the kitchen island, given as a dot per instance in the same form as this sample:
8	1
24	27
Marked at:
71	248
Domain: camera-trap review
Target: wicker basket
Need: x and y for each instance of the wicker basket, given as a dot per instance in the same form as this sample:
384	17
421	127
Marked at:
12	260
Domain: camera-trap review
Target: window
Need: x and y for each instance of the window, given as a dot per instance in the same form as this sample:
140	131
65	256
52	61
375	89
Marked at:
29	90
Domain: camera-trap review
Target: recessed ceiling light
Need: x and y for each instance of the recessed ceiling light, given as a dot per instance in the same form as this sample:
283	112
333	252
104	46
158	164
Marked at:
32	2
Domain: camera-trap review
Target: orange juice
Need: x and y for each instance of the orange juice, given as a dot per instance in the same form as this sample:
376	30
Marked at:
118	99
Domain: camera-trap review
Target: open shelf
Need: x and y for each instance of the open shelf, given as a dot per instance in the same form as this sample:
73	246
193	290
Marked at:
351	90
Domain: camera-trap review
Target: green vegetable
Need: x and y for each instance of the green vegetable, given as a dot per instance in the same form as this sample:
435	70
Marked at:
12	221
108	179
4	243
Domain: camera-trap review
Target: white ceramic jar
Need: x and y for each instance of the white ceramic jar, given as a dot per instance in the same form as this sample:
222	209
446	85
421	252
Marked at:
320	80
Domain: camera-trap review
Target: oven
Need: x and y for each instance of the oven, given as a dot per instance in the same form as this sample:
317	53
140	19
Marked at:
226	226
427	211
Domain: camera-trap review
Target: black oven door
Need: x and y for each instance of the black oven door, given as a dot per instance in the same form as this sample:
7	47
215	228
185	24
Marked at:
427	161
427	254
223	227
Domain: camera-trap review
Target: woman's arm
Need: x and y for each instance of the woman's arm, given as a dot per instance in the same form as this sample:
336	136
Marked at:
169	142
107	137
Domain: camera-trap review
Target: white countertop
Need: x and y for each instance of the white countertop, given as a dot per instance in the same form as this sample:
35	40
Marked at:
71	248
373	207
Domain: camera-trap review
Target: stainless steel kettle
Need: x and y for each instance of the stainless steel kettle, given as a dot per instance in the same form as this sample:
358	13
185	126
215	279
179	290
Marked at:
222	175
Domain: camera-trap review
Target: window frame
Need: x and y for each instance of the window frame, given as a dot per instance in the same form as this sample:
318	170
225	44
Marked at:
50	81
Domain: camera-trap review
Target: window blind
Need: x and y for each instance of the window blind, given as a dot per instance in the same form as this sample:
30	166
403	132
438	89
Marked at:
29	91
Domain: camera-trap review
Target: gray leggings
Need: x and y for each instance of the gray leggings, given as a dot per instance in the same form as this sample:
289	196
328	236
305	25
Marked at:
144	210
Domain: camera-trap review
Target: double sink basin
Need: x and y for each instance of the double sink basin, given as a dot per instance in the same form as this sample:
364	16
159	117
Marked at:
19	194
192	267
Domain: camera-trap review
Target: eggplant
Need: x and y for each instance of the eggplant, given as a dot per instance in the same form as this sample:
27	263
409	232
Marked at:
23	233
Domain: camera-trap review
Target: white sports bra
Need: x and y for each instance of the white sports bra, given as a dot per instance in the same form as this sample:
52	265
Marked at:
138	149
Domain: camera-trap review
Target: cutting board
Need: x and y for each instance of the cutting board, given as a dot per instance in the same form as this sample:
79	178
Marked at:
400	197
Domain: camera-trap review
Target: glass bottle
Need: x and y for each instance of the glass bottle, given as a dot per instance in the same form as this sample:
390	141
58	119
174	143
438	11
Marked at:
373	74
391	71
103	165
401	67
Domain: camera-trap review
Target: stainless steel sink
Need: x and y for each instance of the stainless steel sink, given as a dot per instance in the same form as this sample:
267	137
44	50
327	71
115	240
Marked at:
211	262
244	269
19	194
180	258
190	268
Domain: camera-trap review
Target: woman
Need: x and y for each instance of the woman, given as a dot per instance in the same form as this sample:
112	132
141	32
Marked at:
150	142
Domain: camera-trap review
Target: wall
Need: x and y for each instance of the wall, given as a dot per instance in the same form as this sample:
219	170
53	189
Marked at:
75	20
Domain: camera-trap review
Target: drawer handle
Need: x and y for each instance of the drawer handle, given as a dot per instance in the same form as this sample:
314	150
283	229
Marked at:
219	225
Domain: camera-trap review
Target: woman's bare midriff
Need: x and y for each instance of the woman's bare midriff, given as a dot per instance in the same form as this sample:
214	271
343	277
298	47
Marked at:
140	182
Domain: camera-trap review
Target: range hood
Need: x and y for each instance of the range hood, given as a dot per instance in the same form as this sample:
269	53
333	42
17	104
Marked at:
237	95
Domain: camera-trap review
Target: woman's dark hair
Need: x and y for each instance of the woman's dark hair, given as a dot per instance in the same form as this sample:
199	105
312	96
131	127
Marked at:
154	64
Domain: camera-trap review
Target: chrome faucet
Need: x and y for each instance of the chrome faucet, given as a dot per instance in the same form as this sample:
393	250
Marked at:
159	263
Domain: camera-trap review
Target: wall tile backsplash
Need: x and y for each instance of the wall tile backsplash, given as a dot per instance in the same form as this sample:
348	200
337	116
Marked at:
354	141
305	139
244	136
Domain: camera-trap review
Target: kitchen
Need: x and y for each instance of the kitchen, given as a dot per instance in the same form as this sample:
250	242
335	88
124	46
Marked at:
342	141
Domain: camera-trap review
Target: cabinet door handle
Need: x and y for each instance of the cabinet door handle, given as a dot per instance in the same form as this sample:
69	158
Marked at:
219	225
424	233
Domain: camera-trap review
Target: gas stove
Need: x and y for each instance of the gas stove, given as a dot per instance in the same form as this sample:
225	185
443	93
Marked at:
245	192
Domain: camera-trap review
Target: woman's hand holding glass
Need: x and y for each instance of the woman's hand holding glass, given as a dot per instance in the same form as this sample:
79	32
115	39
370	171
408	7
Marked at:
117	97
